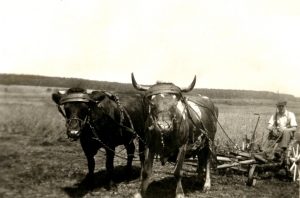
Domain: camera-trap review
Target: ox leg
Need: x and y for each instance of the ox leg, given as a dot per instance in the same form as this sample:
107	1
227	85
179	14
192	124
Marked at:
89	152
110	168
142	156
90	175
178	171
146	173
204	162
207	183
130	154
200	167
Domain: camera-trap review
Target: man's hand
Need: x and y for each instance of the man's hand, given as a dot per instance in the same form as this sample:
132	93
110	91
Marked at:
271	127
281	129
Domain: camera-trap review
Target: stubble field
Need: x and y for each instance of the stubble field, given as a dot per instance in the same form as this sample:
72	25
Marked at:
37	160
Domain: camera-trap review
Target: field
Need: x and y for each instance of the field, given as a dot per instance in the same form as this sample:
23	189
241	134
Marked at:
37	160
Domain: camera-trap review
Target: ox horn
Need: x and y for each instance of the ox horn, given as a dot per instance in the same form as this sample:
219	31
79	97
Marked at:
137	86
189	88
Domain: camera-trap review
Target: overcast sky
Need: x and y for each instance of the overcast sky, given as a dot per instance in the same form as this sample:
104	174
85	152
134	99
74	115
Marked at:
242	44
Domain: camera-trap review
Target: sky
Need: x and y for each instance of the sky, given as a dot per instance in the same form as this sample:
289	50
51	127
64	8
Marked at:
232	44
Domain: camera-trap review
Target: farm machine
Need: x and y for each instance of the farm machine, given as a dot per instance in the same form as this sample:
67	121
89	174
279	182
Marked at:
249	161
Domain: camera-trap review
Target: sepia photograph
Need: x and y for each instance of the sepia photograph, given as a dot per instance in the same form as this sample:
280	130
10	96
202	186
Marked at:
148	99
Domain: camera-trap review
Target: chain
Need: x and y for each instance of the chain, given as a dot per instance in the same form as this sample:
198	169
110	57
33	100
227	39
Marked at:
122	111
107	147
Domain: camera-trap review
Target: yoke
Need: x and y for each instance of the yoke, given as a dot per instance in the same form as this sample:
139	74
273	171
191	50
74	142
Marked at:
75	97
163	88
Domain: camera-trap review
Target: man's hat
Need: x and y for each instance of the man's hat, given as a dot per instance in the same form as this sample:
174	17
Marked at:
281	103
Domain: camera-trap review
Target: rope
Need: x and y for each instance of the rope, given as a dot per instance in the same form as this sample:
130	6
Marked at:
217	122
275	141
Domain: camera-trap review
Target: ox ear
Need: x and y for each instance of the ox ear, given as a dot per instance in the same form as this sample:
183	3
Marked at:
97	95
56	97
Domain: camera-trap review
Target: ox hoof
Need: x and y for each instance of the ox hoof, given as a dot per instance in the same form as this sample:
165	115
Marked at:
180	195
206	188
137	195
90	182
127	181
113	186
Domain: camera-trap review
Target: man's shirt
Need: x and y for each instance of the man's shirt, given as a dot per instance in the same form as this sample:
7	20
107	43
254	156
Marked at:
287	120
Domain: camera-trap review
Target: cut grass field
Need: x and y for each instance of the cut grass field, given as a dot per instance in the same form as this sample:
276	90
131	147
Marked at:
37	160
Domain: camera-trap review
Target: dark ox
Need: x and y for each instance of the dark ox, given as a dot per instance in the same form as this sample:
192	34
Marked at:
177	128
99	120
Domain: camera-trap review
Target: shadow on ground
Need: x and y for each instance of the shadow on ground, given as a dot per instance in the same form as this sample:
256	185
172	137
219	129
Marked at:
166	187
80	189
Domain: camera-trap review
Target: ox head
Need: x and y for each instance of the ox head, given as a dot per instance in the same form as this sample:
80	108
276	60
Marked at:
165	103
74	105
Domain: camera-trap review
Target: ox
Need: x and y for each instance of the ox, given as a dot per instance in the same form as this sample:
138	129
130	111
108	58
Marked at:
177	128
100	120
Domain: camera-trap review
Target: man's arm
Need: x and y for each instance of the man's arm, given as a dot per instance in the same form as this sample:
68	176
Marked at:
284	129
271	127
293	124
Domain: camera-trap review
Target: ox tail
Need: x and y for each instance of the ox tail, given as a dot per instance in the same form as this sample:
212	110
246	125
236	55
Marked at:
217	112
214	161
213	152
213	156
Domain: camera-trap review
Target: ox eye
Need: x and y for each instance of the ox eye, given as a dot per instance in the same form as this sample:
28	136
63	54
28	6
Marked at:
152	97
176	97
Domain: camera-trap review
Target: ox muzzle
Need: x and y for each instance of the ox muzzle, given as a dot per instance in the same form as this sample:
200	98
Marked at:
163	122
75	127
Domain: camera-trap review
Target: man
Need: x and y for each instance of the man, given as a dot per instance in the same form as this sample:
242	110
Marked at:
283	123
281	126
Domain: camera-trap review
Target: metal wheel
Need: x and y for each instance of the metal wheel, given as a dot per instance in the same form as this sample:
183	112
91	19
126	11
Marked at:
252	176
292	166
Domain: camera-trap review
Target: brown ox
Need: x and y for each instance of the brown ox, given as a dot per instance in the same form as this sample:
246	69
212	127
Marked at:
177	128
102	120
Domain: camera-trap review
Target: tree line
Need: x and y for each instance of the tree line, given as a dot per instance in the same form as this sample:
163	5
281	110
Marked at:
62	82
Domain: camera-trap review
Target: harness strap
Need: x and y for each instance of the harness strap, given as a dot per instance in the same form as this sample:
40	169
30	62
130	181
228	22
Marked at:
190	117
122	110
114	97
205	131
236	145
120	125
61	111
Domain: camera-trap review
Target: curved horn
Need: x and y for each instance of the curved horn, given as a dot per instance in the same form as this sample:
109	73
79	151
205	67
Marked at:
137	86
189	88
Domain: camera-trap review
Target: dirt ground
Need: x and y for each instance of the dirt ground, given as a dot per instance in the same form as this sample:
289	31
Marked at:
31	167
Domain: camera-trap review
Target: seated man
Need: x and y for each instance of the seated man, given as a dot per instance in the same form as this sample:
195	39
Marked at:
282	126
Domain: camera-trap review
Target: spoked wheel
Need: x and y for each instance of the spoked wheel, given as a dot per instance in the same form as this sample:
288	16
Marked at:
292	164
252	176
